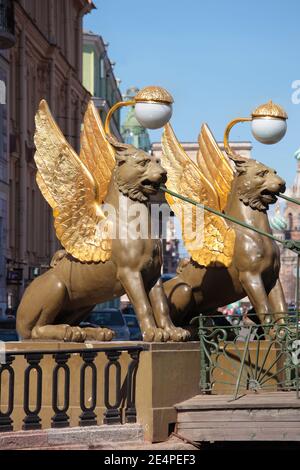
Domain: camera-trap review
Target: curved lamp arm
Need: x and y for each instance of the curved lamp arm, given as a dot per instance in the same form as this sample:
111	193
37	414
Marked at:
116	106
232	123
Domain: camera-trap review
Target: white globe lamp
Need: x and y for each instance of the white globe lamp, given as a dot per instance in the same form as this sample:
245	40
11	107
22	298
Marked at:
153	107
268	124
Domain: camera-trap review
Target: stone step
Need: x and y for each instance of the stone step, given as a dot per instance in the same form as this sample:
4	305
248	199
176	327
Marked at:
252	417
87	436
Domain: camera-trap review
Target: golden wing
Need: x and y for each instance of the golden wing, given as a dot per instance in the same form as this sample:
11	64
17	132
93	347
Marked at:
96	152
214	165
44	190
207	237
71	190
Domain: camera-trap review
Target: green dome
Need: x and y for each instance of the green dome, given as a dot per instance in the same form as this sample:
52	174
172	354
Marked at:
131	122
297	154
278	223
132	131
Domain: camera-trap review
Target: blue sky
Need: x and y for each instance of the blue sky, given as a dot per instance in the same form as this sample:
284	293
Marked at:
219	59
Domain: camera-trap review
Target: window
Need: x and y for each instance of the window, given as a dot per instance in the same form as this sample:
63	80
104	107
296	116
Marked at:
290	221
2	92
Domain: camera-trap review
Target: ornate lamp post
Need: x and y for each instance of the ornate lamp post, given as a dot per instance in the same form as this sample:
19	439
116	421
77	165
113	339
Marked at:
268	125
153	107
7	24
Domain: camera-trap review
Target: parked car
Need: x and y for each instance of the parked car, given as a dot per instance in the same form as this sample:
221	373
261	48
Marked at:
109	318
133	326
8	329
129	310
292	312
9	335
167	276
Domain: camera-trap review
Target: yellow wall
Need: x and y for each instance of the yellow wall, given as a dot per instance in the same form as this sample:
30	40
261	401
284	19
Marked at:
88	72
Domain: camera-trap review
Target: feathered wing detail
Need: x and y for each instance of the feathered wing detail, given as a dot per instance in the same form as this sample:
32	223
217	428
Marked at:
71	190
207	237
214	165
96	152
44	190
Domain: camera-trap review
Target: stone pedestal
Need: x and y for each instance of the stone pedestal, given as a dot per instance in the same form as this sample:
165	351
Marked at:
167	374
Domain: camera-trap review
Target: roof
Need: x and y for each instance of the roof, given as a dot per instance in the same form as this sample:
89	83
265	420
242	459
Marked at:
89	4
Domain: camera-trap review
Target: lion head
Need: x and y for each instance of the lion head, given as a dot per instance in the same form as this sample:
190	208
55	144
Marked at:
257	184
137	173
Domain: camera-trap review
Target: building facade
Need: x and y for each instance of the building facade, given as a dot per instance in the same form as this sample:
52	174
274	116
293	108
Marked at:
4	178
45	62
173	248
286	225
7	40
99	78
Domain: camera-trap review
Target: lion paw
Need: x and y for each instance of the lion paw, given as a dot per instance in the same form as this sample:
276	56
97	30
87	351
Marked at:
75	334
155	335
178	335
103	334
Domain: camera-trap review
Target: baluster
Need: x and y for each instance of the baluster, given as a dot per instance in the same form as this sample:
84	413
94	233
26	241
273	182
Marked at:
130	411
112	415
88	416
32	419
60	418
6	422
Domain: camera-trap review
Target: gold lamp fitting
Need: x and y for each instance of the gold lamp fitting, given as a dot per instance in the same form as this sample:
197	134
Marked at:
154	94
269	110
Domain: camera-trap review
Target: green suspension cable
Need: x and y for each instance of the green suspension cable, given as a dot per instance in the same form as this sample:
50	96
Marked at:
290	199
289	244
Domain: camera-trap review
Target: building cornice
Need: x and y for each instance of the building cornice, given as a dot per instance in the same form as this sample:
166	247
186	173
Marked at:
86	5
94	40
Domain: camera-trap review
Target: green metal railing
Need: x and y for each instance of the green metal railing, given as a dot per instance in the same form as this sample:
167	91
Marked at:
236	357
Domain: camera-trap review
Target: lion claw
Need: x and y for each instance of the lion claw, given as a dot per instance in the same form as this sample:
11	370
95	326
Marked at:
155	335
104	334
75	334
162	335
178	334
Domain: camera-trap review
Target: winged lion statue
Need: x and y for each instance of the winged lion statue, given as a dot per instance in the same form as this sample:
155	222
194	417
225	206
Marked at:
231	261
98	263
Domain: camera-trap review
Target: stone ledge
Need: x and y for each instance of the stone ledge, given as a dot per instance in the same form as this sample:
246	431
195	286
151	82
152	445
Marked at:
35	345
78	436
